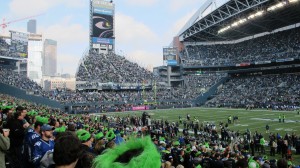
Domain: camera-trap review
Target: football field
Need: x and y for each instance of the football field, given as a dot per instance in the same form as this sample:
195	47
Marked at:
255	120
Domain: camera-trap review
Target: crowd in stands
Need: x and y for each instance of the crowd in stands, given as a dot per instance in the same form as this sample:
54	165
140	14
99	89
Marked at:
194	86
5	49
36	136
201	82
131	72
280	91
107	68
279	45
10	77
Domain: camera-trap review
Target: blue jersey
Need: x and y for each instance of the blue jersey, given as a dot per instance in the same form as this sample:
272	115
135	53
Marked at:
41	147
30	139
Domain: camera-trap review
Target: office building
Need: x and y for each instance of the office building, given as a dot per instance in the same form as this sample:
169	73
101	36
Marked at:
50	58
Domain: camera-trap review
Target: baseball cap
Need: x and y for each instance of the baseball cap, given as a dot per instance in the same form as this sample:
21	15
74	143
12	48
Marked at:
47	127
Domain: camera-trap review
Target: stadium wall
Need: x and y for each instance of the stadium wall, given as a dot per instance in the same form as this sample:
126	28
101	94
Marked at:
21	94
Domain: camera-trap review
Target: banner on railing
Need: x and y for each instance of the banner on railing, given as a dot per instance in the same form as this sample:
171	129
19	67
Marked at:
136	108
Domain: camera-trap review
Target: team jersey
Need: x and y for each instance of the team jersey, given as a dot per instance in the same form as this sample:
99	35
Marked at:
30	139
40	148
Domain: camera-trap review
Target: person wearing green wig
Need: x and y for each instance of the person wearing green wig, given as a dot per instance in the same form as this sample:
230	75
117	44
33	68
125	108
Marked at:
135	153
100	141
86	159
110	136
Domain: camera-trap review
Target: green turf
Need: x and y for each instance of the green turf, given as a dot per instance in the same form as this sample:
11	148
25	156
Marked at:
255	120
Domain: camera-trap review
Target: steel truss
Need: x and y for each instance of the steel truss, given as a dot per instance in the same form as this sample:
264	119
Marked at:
228	10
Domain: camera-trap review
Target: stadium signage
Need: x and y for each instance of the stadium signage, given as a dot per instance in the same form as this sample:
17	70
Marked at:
103	40
102	3
20	37
285	60
19	43
243	64
171	62
262	62
136	108
103	11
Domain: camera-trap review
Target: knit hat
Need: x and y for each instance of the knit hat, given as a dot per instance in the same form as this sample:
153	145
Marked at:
135	153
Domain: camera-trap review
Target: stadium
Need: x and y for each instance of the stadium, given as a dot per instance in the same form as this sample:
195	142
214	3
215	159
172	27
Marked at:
228	95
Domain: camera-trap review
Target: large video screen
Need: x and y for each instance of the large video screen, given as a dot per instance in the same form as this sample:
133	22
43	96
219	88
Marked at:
169	53
19	44
103	26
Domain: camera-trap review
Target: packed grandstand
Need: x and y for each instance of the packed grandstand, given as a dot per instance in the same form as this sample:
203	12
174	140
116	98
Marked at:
255	65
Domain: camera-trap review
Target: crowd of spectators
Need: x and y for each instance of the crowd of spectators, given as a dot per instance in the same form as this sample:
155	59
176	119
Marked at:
37	136
106	68
275	46
279	91
201	82
193	87
5	49
171	97
10	77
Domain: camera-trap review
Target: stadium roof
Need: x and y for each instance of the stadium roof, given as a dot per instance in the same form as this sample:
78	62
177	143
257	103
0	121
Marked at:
237	19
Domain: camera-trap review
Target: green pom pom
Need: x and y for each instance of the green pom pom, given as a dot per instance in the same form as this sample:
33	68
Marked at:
135	153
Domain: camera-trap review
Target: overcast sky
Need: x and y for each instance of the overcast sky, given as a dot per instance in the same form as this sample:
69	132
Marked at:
143	27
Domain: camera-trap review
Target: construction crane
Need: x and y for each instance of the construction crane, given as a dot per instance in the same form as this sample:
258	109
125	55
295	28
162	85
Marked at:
5	24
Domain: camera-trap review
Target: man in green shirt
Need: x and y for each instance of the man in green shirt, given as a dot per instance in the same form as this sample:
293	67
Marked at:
279	117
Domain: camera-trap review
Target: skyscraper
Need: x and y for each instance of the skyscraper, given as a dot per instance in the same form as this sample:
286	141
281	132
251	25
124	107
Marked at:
31	26
50	58
35	63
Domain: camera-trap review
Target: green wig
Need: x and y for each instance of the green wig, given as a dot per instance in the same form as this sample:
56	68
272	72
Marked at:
43	120
98	136
135	153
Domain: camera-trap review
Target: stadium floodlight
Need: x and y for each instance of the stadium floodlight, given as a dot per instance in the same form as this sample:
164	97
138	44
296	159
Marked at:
224	29
238	22
279	5
235	24
271	8
242	20
276	6
259	13
251	16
